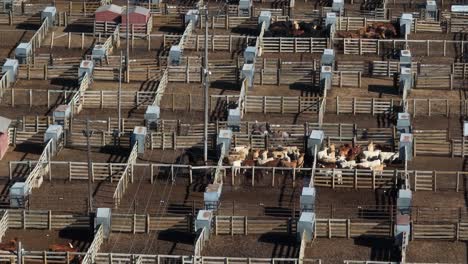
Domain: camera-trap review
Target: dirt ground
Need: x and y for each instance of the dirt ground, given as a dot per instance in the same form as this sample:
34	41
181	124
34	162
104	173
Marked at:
437	251
270	245
105	155
65	196
39	240
164	243
337	250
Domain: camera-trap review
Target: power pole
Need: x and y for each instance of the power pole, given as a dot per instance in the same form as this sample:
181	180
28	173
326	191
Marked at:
120	95
88	133
19	253
127	62
206	84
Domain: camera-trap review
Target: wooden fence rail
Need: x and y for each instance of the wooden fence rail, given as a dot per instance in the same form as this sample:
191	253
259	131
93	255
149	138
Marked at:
254	104
329	178
95	246
3	224
126	177
111	258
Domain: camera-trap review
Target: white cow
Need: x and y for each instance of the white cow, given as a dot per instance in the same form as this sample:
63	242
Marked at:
388	156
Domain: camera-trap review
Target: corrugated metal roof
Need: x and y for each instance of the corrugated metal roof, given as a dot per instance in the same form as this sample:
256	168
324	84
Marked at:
139	10
112	8
4	124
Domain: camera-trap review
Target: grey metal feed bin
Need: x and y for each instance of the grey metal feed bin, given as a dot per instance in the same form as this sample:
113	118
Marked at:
49	12
234	119
19	194
86	66
54	133
175	54
330	23
23	52
265	16
224	137
10	67
152	115
245	7
404	122
402	225
404	201
406	20
306	225
315	140
405	58
99	52
307	199
211	196
326	75
192	16
431	9
328	58
62	113
204	220
406	79
104	218
248	72
337	6
250	54
139	136
406	142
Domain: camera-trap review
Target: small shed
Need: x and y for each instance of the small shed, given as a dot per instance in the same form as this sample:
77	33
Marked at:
106	18
137	15
139	19
108	13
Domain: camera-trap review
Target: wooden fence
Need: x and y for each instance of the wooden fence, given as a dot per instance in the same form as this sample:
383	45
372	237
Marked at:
450	48
33	219
37	39
200	241
126	177
254	104
161	88
4	83
3	224
76	102
110	258
269	71
93	249
42	167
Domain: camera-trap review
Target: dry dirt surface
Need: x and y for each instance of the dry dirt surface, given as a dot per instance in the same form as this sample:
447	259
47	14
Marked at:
38	240
335	251
164	243
437	251
270	245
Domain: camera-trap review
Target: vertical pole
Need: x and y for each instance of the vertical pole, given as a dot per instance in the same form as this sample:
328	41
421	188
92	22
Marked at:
128	38
88	134
19	253
206	80
120	94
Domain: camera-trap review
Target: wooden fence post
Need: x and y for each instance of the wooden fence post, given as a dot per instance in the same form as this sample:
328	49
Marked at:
49	219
